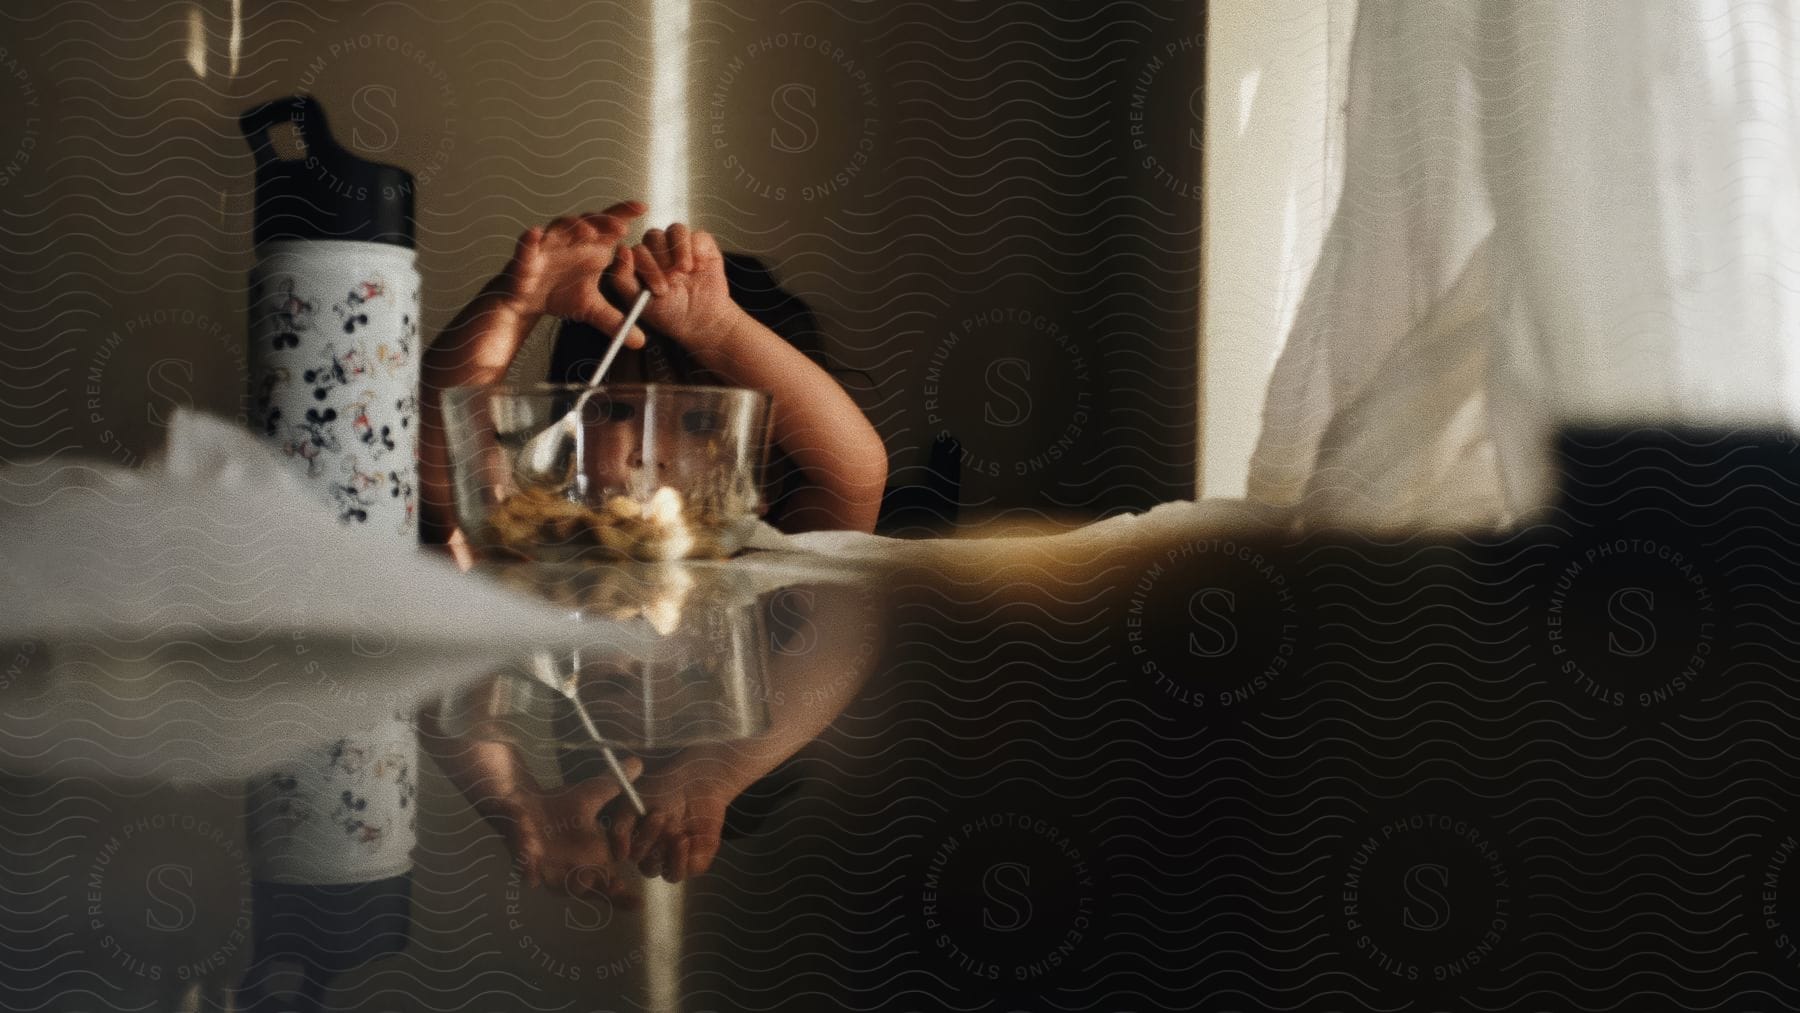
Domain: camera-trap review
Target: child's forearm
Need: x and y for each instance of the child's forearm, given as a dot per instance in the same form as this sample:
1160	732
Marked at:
816	424
475	348
489	773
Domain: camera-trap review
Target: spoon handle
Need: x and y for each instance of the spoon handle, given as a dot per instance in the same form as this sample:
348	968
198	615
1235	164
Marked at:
618	341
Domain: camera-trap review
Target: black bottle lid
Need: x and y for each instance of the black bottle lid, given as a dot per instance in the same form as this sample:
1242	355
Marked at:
327	193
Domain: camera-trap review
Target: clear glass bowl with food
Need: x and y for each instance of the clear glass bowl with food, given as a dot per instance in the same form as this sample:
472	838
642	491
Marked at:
651	472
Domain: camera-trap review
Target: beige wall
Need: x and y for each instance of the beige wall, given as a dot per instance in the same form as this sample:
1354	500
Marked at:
127	233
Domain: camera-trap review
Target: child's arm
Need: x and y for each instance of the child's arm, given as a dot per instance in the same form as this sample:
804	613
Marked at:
555	269
841	461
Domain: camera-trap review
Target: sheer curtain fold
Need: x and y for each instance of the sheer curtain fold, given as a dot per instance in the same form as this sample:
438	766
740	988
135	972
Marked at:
1552	213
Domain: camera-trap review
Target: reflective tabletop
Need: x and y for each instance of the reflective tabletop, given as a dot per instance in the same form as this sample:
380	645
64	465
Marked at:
1234	769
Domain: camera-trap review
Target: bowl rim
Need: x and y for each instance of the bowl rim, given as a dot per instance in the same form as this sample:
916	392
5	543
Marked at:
555	387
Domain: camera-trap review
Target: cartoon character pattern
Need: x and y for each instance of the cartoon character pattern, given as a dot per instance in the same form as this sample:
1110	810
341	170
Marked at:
400	487
348	809
293	315
338	369
334	374
313	436
359	491
399	354
268	401
360	295
362	422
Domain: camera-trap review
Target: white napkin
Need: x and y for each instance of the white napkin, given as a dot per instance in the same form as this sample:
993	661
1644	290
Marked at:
206	616
217	538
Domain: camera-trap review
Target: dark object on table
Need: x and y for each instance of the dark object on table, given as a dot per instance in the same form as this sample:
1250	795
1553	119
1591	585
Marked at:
931	509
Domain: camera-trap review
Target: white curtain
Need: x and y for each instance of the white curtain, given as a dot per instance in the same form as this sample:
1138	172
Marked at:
1552	212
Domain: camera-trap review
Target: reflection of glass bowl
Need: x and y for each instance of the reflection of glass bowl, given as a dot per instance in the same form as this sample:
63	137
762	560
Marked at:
701	680
653	471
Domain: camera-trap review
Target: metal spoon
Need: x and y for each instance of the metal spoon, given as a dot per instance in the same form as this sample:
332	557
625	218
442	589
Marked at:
544	459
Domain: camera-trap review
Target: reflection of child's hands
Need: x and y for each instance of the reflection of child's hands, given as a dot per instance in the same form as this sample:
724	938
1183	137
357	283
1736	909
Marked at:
557	840
556	269
686	798
685	274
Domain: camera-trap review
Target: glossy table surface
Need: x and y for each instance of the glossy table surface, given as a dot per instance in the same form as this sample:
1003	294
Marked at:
1552	769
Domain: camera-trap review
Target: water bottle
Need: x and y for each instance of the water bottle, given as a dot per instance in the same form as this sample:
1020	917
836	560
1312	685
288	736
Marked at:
334	380
334	319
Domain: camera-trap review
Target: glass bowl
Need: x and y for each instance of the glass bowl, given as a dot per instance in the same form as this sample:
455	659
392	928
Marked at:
652	472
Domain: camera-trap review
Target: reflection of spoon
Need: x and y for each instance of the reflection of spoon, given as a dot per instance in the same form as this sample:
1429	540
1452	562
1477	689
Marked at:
540	461
544	667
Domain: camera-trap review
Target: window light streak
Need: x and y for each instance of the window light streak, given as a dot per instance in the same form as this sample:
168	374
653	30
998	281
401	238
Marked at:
235	46
667	171
666	191
196	41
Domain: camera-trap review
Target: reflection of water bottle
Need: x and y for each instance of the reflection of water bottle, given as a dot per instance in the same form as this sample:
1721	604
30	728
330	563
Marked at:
334	318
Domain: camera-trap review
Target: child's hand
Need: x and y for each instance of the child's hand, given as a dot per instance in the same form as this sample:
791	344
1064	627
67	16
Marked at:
685	799
558	843
685	274
556	268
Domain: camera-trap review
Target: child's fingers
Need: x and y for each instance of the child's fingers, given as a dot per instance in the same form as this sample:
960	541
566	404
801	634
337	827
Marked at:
675	862
592	308
619	833
595	226
681	248
565	229
621	277
652	864
632	208
527	245
656	242
527	251
649	268
612	223
648	836
705	247
706	848
596	311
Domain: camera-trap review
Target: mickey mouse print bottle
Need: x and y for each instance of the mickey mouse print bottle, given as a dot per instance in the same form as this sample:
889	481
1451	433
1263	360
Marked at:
334	318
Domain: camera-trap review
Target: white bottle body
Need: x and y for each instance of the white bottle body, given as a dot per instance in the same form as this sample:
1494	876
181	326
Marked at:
334	373
334	382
